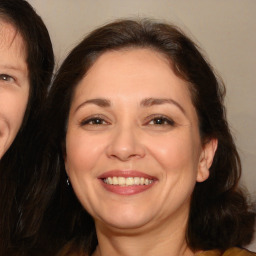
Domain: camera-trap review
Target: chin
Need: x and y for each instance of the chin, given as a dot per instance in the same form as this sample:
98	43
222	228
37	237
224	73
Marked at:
125	220
125	225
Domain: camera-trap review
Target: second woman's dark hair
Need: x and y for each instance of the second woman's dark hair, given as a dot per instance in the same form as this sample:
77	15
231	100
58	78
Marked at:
219	216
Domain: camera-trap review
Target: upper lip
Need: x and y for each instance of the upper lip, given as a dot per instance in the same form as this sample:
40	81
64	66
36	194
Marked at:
125	174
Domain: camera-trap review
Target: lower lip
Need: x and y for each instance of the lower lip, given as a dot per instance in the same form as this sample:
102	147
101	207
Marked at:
126	190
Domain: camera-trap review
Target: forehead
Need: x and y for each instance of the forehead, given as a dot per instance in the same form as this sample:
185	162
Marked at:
11	39
12	48
132	69
129	77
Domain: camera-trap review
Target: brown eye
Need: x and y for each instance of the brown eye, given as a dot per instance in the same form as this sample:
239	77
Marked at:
161	121
94	121
6	78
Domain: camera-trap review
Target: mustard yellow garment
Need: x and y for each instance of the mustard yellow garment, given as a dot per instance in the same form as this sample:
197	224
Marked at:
230	252
68	251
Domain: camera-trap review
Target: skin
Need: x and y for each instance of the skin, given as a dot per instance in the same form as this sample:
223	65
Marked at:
128	137
14	84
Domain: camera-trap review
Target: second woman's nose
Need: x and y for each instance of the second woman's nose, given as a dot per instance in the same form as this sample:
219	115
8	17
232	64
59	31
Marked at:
125	144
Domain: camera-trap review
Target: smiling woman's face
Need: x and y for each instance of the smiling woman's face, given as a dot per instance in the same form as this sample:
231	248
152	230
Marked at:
133	149
14	84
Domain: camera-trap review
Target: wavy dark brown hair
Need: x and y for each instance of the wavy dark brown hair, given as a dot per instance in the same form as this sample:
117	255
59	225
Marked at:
220	216
13	165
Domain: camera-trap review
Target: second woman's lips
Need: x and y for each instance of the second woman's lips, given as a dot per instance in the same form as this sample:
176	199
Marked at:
126	182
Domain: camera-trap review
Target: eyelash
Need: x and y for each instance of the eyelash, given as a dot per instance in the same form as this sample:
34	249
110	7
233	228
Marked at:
93	121
97	120
6	78
164	120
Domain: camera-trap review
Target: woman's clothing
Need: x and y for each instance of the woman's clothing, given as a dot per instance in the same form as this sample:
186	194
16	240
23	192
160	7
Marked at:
230	252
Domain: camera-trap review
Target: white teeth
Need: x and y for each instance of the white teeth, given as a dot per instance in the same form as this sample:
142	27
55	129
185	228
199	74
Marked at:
110	181
115	181
121	181
137	181
130	181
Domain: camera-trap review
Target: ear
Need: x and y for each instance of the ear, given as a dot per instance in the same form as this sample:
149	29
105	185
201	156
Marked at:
206	159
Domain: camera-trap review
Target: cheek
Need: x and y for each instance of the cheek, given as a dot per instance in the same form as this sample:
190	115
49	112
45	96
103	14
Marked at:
13	108
82	152
175	152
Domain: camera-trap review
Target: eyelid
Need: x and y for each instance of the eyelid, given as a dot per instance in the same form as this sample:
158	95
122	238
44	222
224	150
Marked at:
85	121
8	77
150	118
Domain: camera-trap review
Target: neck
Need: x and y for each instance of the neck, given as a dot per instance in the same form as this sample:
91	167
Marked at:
166	239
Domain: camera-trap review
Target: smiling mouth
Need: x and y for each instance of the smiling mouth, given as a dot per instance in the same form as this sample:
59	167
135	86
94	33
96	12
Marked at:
129	181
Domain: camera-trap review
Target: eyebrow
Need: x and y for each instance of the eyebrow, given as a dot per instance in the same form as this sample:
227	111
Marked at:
156	101
144	103
11	67
99	102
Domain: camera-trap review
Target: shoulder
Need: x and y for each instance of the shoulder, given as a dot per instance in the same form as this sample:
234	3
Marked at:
238	252
230	252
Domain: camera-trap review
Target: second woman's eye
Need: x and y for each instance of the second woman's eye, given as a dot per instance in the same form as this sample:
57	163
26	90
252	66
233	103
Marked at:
93	121
161	120
6	78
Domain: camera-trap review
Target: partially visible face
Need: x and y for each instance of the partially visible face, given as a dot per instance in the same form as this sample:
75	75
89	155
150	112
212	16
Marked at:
133	150
14	84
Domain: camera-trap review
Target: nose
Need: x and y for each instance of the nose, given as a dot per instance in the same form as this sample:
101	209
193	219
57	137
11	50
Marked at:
125	144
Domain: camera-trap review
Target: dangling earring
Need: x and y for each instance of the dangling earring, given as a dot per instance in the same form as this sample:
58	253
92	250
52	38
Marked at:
68	182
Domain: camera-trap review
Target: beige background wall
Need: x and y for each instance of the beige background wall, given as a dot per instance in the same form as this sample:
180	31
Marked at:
225	29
